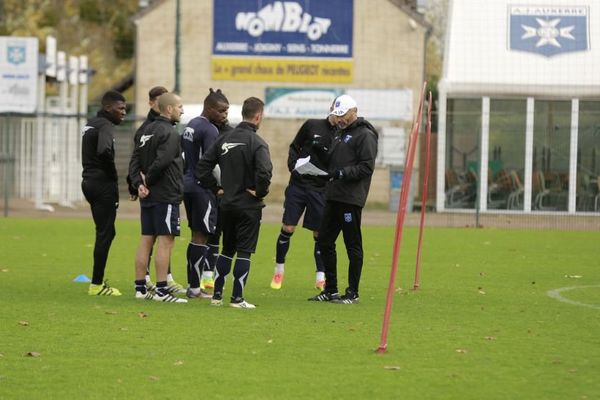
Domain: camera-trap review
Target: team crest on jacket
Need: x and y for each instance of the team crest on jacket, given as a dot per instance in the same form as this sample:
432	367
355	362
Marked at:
188	134
347	138
228	146
348	217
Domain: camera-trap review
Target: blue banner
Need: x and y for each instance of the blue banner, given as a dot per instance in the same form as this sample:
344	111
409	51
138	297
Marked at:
300	28
549	30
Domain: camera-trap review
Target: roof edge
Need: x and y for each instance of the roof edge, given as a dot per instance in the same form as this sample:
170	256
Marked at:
419	18
146	10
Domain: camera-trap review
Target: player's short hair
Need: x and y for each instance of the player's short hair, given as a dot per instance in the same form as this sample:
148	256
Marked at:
167	99
111	97
214	97
156	91
251	107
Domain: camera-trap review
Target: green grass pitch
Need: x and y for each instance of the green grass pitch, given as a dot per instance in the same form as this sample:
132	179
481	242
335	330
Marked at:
482	326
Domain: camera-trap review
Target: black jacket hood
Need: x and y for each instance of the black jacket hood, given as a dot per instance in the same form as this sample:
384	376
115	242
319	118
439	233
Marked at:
360	121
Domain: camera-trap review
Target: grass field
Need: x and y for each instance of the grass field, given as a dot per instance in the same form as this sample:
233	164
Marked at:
481	327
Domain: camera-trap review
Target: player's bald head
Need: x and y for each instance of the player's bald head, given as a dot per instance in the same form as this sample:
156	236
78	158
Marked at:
168	99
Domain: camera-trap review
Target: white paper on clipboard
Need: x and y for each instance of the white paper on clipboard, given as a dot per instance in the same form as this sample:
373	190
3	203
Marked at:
305	167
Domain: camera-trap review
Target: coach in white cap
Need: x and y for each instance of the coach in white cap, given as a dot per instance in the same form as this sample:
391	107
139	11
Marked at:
342	105
351	166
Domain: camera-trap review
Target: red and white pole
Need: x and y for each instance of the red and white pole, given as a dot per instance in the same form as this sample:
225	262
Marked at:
408	165
424	196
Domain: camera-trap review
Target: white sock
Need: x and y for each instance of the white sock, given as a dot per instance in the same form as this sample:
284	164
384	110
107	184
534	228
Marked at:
207	274
320	276
194	290
278	268
170	278
148	278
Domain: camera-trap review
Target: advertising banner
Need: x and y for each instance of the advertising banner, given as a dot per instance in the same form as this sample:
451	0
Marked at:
18	74
278	70
300	40
300	28
373	104
298	102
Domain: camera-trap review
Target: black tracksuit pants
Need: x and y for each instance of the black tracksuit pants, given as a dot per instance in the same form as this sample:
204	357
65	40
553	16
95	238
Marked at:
103	197
347	219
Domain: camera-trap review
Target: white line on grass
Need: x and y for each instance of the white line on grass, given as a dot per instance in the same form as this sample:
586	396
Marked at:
556	294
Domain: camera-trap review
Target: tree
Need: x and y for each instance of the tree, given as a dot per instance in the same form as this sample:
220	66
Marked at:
102	30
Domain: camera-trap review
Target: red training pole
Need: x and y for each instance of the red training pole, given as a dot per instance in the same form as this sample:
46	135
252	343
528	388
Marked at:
400	223
424	197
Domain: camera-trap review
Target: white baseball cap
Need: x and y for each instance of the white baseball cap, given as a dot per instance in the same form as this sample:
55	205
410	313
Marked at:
342	105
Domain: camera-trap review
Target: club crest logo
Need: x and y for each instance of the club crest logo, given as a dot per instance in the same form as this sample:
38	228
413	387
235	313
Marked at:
548	30
346	138
16	54
348	217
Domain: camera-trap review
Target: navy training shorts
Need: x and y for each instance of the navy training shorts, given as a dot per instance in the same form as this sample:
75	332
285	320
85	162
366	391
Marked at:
201	209
160	219
240	229
297	201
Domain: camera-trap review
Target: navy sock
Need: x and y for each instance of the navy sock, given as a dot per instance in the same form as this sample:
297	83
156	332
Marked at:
195	257
161	288
318	259
241	269
211	257
283	245
140	286
222	269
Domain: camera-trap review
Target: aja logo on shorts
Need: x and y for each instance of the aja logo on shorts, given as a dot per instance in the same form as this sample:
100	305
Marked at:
348	217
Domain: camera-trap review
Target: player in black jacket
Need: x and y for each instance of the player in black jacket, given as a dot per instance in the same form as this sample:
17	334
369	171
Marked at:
99	184
351	165
246	171
156	169
305	194
212	253
154	112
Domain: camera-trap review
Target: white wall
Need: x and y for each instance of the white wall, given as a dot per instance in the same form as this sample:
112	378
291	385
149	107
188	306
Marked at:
479	60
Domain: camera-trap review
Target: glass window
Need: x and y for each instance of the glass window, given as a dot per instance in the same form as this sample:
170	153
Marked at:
588	157
463	125
551	143
506	154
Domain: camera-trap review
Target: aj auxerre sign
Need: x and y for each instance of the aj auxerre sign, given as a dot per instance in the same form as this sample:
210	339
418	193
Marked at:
548	30
299	40
18	74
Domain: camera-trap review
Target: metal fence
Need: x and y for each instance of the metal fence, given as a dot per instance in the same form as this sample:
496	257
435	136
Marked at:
40	160
40	157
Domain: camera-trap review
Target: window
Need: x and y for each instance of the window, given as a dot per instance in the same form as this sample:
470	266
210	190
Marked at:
462	152
551	144
506	154
588	157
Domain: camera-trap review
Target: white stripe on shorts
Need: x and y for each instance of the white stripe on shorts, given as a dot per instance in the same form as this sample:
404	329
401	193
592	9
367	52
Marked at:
168	218
206	217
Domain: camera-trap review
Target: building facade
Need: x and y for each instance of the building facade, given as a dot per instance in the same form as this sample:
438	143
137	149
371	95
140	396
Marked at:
297	56
519	123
